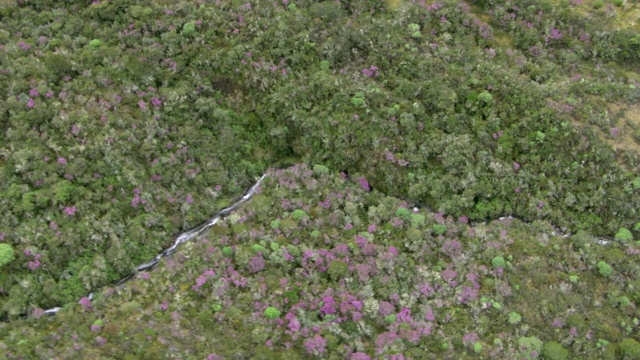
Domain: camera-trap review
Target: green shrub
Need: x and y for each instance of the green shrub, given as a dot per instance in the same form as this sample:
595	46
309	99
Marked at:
288	225
188	29
227	251
275	224
485	97
320	169
414	235
298	215
624	301
630	349
582	239
417	220
477	348
624	236
271	313
95	43
554	351
258	248
530	344
327	11
324	65
7	254
358	100
403	213
338	269
498	262
514	318
604	269
439	229
293	250
390	319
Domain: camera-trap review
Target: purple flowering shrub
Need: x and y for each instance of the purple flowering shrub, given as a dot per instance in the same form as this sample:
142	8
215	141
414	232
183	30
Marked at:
354	293
469	111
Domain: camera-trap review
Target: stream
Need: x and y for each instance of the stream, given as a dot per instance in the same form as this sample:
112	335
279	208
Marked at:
182	238
192	233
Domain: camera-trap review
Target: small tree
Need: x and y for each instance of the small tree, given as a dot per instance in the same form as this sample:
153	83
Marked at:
604	268
624	236
7	254
271	313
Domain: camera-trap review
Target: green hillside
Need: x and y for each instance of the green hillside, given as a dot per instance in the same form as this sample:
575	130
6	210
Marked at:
124	123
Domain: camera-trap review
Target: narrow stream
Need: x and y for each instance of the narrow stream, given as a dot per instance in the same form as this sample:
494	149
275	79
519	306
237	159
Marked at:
184	237
192	233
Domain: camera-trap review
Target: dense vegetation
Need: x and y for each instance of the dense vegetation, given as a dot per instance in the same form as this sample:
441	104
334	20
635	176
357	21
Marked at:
124	122
318	264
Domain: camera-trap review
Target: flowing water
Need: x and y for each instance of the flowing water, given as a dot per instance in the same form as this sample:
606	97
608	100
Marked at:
185	236
190	234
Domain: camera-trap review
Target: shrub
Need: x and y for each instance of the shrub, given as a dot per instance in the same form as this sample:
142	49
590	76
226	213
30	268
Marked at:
498	262
327	11
530	344
439	229
275	224
581	239
188	29
288	225
337	270
324	65
320	169
630	349
271	313
624	301
485	97
7	254
604	269
403	213
293	250
414	235
624	236
554	351
258	248
358	100
514	318
298	215
417	220
227	251
95	43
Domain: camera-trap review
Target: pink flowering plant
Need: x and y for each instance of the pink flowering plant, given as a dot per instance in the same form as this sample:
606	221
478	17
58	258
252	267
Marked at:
431	138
